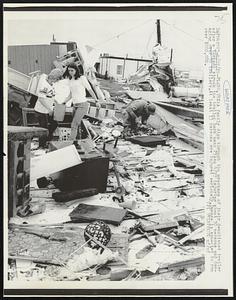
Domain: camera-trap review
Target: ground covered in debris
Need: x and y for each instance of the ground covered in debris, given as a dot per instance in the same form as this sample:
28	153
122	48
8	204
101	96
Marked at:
152	213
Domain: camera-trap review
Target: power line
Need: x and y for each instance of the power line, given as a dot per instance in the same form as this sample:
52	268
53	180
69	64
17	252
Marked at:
179	29
122	33
148	42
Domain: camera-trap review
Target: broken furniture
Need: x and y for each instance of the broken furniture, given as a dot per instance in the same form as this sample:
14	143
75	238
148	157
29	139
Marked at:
21	94
62	61
25	83
87	130
91	173
29	117
19	143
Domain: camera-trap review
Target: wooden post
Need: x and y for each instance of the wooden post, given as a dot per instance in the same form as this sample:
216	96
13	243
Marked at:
101	65
106	64
158	31
171	55
124	66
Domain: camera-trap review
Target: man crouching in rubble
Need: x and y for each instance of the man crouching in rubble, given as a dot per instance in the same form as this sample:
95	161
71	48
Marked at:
45	102
135	110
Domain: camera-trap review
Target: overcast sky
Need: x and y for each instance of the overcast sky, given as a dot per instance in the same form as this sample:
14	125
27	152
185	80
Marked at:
116	33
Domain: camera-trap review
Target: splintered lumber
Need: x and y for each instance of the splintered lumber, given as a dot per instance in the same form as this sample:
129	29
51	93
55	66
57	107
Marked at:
187	153
152	96
144	251
170	240
182	128
183	111
177	122
189	163
33	259
195	262
191	235
161	226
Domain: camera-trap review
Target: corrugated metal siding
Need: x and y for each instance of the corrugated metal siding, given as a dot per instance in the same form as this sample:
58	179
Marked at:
30	58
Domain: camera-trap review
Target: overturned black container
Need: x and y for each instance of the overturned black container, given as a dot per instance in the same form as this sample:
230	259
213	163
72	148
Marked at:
91	173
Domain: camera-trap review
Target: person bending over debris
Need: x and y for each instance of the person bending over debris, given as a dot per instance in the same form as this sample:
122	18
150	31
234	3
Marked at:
137	109
78	84
44	104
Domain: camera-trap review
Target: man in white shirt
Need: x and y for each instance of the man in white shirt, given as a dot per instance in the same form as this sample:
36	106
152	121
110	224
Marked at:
45	102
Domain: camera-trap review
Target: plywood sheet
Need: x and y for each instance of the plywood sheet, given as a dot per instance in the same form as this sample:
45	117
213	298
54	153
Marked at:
86	213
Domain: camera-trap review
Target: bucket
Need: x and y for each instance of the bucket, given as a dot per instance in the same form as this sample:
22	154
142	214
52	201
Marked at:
59	112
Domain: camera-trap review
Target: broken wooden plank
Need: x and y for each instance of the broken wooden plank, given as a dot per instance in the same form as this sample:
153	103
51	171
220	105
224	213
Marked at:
162	226
42	192
195	262
187	153
189	163
183	111
16	133
170	240
191	235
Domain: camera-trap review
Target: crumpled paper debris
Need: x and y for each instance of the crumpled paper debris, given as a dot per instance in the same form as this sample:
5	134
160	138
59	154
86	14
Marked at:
90	257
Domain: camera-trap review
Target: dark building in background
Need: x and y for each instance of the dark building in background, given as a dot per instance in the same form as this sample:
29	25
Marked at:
31	58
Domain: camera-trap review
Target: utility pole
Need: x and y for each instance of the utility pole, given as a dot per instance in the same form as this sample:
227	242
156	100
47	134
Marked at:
123	75
158	31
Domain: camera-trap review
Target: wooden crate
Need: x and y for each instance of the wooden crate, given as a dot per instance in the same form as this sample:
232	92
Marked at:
106	111
64	133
